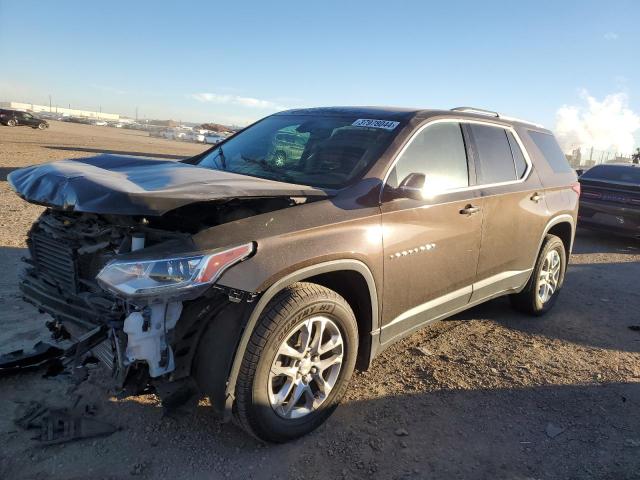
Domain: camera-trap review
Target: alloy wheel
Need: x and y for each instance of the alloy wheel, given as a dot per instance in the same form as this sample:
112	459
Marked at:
306	367
549	276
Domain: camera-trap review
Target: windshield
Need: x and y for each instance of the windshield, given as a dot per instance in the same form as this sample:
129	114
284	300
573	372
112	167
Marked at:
320	151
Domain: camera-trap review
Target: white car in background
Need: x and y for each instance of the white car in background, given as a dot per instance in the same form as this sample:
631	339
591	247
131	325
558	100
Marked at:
213	138
193	136
174	134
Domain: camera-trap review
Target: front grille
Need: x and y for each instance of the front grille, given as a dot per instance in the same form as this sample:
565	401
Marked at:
55	260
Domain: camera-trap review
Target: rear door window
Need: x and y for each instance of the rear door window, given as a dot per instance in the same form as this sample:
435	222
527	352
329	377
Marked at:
495	161
552	152
439	153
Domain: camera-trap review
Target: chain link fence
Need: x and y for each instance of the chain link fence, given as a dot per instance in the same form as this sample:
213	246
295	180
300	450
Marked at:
585	158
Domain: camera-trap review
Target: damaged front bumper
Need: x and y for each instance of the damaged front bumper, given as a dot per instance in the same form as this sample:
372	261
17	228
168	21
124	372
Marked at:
149	332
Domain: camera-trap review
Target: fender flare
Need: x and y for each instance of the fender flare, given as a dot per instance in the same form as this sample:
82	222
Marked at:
272	291
562	218
565	217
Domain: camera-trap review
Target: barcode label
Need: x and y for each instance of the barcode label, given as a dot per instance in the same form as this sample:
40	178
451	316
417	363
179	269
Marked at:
371	123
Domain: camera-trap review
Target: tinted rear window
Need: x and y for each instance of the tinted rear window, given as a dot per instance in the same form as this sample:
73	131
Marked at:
613	173
549	147
494	153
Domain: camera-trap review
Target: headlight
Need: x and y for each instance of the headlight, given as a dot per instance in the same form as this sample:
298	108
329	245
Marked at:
169	275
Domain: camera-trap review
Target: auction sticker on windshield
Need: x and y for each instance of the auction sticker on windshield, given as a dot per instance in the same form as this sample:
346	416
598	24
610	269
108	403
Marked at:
371	123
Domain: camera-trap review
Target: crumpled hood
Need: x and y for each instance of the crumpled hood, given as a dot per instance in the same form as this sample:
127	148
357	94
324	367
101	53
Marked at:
125	185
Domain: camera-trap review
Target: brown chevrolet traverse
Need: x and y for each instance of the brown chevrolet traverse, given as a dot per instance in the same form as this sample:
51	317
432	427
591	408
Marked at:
263	271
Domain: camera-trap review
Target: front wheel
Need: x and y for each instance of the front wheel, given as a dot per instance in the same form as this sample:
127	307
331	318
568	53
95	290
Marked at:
42	126
546	280
11	123
298	362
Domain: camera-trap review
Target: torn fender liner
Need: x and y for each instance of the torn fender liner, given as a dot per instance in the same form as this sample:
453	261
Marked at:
125	185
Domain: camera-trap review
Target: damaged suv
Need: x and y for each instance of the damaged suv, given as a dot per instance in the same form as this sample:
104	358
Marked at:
266	282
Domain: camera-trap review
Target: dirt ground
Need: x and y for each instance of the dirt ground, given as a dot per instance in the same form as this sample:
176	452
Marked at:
489	393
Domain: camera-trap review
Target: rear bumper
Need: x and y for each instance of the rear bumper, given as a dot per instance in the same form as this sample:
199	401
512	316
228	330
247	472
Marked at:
616	219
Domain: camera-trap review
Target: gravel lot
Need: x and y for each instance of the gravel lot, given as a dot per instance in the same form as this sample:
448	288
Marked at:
489	393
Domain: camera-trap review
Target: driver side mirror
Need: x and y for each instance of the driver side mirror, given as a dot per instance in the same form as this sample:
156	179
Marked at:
412	187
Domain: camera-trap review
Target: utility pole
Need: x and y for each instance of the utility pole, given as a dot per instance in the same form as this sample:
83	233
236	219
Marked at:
136	114
49	103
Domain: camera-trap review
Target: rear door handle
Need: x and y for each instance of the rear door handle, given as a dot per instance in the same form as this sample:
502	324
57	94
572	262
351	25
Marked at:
469	210
536	197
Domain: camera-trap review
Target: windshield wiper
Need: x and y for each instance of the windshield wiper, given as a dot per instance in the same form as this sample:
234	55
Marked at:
223	160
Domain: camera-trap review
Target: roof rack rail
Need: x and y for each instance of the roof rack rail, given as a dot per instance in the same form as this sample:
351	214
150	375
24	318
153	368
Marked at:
480	111
514	119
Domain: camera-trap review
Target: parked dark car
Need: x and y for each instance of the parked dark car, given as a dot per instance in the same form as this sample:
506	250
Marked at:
81	120
17	118
610	199
265	284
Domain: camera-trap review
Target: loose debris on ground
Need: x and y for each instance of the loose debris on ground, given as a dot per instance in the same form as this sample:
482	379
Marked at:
55	426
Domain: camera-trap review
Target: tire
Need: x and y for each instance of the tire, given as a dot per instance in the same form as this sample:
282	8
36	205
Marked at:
11	123
298	308
42	126
531	300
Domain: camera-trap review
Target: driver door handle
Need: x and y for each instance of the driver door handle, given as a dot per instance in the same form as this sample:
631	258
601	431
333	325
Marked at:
469	210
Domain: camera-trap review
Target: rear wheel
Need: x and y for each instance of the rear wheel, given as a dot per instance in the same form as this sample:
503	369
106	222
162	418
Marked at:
11	123
298	363
547	279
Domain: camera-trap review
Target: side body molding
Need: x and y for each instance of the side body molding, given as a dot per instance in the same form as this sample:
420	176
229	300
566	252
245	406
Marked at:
272	291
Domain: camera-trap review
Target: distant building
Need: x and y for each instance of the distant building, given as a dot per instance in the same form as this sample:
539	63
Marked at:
67	112
163	123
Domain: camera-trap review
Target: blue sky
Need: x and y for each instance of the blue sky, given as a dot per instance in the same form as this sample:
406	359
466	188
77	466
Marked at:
238	61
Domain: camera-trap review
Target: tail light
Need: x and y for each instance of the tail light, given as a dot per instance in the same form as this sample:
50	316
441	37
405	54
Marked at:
576	187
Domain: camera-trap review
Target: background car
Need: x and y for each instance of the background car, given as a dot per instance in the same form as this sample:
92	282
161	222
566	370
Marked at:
15	118
610	199
212	138
194	137
288	146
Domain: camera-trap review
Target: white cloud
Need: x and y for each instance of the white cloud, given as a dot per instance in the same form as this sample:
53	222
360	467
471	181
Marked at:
611	36
224	99
603	125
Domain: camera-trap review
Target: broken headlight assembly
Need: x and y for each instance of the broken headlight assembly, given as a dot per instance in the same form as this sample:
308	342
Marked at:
169	276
